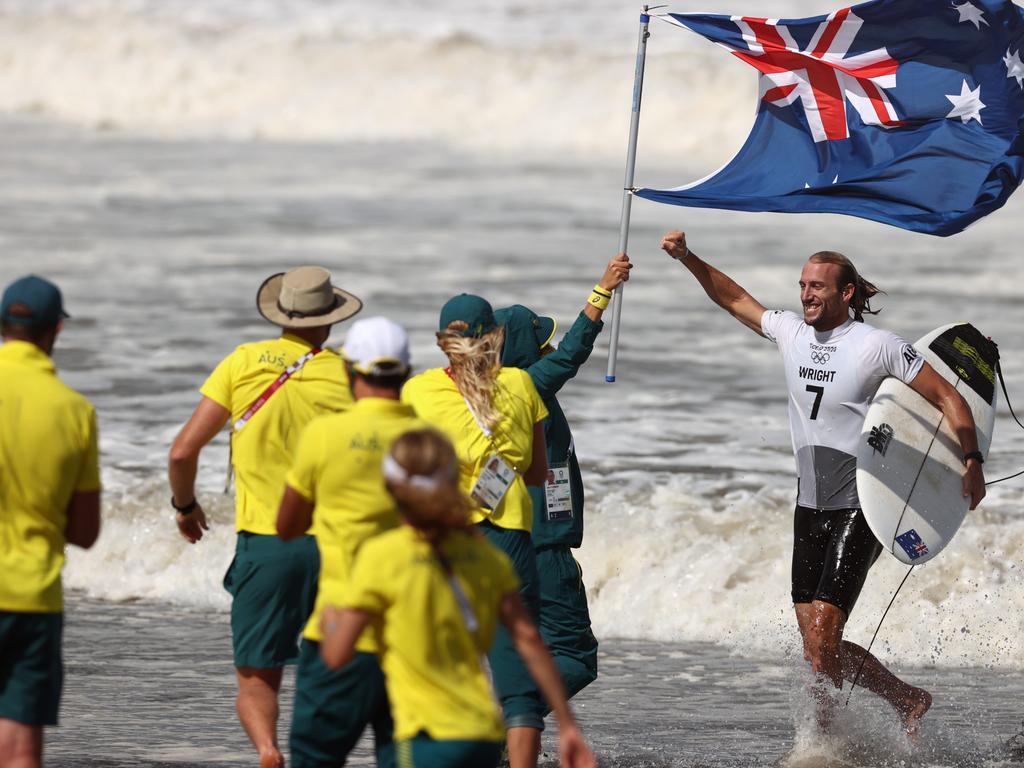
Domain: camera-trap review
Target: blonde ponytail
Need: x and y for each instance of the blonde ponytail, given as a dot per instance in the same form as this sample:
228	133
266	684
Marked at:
475	363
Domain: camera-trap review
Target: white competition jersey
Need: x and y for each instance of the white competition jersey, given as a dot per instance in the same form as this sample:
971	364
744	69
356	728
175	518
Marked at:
832	377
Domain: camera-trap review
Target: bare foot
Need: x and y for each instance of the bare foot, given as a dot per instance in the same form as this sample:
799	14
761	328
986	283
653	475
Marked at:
919	702
271	758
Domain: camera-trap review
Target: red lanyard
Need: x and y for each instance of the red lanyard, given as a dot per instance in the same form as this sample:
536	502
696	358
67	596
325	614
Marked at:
276	385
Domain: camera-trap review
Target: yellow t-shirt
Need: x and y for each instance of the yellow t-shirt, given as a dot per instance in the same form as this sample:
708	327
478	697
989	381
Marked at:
437	400
435	680
261	451
338	467
48	451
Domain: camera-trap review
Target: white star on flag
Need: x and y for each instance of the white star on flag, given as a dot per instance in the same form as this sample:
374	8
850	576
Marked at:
1014	66
967	105
971	13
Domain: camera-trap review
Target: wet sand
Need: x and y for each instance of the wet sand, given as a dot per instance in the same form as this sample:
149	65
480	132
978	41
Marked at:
150	685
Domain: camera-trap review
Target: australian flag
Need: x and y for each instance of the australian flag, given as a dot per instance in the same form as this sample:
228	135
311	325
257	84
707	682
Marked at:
907	112
912	544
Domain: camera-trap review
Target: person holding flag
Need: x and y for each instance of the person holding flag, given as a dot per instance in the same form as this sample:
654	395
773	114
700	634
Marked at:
558	505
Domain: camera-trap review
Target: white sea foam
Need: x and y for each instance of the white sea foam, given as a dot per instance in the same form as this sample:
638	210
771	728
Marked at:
678	559
688	560
495	77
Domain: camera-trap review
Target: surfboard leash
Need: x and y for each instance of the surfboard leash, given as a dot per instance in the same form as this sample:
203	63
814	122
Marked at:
1006	396
867	651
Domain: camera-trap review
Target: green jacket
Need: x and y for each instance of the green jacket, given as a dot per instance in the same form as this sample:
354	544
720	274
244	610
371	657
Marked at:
549	375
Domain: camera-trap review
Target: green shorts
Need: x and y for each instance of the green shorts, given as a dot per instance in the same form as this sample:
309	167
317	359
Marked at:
31	673
521	701
333	708
565	618
423	752
273	583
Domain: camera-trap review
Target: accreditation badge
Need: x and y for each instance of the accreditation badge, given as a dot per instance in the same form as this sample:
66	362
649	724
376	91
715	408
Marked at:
493	482
558	493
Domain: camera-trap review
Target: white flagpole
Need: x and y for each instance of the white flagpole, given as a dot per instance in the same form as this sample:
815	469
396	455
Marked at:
627	187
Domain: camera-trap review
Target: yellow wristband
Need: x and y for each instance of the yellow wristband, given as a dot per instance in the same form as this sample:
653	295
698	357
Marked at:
599	298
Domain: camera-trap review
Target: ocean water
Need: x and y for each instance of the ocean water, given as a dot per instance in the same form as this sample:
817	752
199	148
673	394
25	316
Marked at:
160	159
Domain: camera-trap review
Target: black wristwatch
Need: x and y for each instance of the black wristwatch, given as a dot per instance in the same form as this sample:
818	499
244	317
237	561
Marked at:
976	455
187	509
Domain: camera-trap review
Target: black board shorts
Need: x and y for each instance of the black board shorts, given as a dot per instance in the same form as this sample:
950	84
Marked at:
833	550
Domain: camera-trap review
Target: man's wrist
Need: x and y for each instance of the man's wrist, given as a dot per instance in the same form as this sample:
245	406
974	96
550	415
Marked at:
974	456
185	509
682	259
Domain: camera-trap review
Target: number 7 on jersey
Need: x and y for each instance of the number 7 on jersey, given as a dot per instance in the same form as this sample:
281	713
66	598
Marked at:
818	392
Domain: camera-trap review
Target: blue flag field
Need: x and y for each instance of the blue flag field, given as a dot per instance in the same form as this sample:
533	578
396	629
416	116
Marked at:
907	112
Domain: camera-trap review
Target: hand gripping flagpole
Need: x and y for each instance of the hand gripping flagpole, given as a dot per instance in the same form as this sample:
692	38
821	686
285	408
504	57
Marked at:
627	187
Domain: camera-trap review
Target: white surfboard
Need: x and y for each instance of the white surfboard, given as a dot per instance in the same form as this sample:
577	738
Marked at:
909	462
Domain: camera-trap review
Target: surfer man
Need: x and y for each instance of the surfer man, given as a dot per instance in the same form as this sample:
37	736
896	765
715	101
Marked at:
834	363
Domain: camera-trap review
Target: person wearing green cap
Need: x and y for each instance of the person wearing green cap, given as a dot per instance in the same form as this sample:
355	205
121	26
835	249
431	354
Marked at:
50	496
493	415
558	505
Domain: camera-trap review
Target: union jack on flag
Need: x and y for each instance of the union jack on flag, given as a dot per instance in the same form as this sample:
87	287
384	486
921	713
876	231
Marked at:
912	544
908	112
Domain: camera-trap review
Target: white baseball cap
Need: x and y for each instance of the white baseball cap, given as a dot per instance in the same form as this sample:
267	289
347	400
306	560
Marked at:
376	346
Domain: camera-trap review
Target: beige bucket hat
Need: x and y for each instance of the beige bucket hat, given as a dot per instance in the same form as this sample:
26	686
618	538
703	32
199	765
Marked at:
304	298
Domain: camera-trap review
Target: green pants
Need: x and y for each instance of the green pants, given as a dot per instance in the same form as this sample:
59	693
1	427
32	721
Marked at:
333	708
31	672
565	618
521	701
273	584
424	752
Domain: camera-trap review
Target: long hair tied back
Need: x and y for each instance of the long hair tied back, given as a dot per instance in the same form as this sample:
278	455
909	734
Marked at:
475	363
422	474
863	290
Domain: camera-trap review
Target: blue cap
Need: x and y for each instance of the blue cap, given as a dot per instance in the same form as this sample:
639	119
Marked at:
32	301
472	310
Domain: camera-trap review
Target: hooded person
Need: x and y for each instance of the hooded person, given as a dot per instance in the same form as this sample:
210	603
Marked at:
558	505
269	391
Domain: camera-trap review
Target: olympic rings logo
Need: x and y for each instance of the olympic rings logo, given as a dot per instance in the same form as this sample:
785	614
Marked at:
819	358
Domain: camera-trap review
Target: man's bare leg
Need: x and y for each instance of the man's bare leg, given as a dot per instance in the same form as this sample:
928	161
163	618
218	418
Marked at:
21	746
910	702
258	711
523	747
821	626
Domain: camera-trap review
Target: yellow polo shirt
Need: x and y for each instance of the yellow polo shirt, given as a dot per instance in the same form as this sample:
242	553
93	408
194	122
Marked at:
48	451
437	400
337	466
435	680
262	450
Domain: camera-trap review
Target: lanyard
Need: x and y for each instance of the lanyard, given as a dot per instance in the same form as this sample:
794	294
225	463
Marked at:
465	607
276	385
468	616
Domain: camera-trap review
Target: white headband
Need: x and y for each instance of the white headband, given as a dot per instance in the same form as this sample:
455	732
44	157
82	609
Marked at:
396	473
